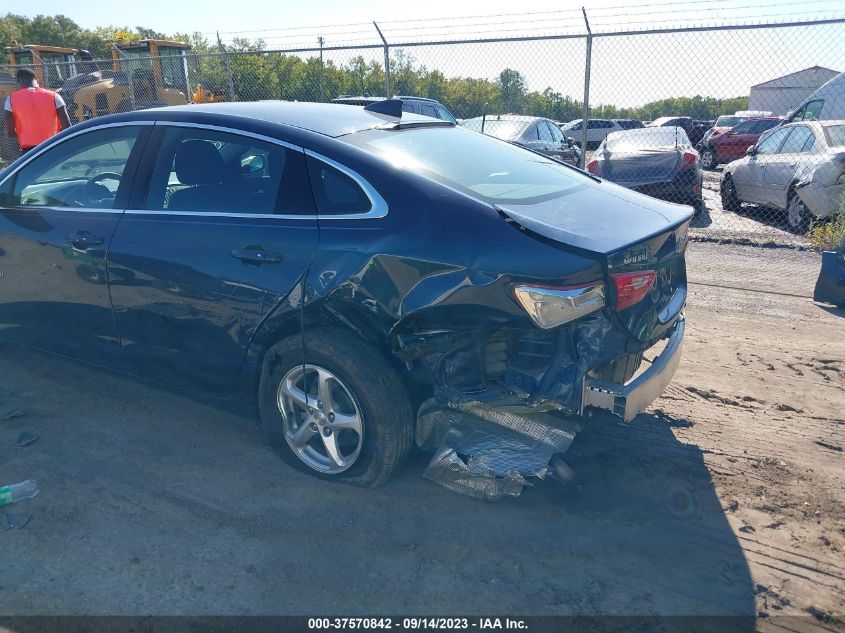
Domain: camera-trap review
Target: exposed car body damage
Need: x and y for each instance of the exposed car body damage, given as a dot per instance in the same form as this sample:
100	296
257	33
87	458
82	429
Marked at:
494	301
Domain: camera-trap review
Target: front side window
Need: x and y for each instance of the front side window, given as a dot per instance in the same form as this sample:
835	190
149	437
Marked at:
85	171
428	110
801	140
545	132
444	115
746	127
483	167
810	111
206	171
764	125
557	135
771	143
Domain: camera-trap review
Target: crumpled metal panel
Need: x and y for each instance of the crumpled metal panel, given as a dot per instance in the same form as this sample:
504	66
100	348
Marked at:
488	453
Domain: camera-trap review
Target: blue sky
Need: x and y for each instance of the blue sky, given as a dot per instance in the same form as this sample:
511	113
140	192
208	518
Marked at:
626	71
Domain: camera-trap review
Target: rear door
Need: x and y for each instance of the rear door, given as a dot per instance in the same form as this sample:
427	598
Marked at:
221	235
57	214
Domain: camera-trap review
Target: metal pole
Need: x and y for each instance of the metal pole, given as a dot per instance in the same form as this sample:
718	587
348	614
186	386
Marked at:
386	62
230	80
586	111
128	60
320	40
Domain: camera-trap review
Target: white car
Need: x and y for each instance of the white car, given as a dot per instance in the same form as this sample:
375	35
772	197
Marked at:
597	130
825	104
796	167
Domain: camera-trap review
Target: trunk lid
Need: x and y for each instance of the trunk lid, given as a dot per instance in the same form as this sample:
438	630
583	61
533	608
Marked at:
640	167
631	232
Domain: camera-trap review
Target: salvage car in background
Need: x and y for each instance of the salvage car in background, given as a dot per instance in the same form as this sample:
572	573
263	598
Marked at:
417	105
723	147
657	161
694	130
797	167
346	268
597	130
534	133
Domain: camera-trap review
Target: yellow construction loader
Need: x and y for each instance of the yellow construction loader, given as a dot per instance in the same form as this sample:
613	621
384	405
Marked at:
144	74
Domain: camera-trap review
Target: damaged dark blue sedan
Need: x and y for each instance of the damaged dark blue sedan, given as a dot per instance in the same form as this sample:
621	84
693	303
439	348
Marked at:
367	277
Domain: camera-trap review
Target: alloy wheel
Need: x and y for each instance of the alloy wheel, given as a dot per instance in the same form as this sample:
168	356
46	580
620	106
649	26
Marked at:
323	423
708	159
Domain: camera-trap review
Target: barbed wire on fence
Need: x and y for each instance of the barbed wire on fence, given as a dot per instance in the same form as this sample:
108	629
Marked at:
692	80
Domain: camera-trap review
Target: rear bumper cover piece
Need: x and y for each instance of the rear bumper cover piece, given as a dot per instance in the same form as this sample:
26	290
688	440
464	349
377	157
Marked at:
632	398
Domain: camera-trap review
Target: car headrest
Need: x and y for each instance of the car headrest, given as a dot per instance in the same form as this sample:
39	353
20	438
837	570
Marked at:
199	163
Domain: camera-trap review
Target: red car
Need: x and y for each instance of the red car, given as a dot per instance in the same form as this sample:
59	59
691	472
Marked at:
728	145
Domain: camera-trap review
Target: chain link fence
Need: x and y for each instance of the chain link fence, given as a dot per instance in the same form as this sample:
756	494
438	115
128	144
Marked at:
691	115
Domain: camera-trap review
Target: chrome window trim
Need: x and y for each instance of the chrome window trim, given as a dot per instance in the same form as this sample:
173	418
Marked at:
29	158
378	205
226	214
55	209
231	130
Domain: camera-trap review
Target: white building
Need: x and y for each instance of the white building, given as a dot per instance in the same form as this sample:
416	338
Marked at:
781	95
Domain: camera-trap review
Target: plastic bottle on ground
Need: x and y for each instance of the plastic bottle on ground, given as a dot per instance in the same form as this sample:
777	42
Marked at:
18	492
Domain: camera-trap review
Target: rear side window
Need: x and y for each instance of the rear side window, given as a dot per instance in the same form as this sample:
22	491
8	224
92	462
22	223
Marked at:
428	110
334	191
206	171
443	114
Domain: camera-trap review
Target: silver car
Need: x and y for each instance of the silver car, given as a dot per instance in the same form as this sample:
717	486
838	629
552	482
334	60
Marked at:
797	168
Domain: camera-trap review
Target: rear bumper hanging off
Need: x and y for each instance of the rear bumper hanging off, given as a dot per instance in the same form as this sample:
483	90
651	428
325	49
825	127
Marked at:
632	398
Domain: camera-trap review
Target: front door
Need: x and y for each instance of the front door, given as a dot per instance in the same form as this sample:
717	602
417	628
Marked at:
735	142
782	167
220	237
57	214
766	151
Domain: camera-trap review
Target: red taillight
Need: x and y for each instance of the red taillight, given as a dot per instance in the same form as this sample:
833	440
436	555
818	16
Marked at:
593	167
689	159
632	287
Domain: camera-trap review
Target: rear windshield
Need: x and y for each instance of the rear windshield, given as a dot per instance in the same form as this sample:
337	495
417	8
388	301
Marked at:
481	166
646	137
835	135
729	121
504	128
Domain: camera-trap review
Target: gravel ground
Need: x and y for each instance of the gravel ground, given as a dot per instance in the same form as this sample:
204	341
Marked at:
725	498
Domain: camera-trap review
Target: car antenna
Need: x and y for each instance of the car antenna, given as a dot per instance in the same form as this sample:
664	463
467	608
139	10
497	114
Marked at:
484	116
389	107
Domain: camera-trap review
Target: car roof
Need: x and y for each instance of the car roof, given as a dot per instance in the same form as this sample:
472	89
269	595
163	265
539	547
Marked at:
323	118
511	117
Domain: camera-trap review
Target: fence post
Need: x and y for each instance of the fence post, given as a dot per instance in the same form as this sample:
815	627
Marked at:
586	112
386	62
126	61
320	41
228	64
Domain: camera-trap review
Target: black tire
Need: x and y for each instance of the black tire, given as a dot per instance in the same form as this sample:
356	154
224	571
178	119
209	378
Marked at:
730	200
377	391
798	217
709	160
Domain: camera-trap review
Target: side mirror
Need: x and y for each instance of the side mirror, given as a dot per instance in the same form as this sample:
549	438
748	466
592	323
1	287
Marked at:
752	149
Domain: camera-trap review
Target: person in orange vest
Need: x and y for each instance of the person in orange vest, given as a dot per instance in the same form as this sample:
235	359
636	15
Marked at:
34	114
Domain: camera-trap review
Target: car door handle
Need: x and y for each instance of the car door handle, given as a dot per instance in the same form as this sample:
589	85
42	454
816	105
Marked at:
83	240
793	164
256	255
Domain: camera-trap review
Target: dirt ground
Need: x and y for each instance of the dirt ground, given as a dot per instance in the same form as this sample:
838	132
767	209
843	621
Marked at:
726	498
